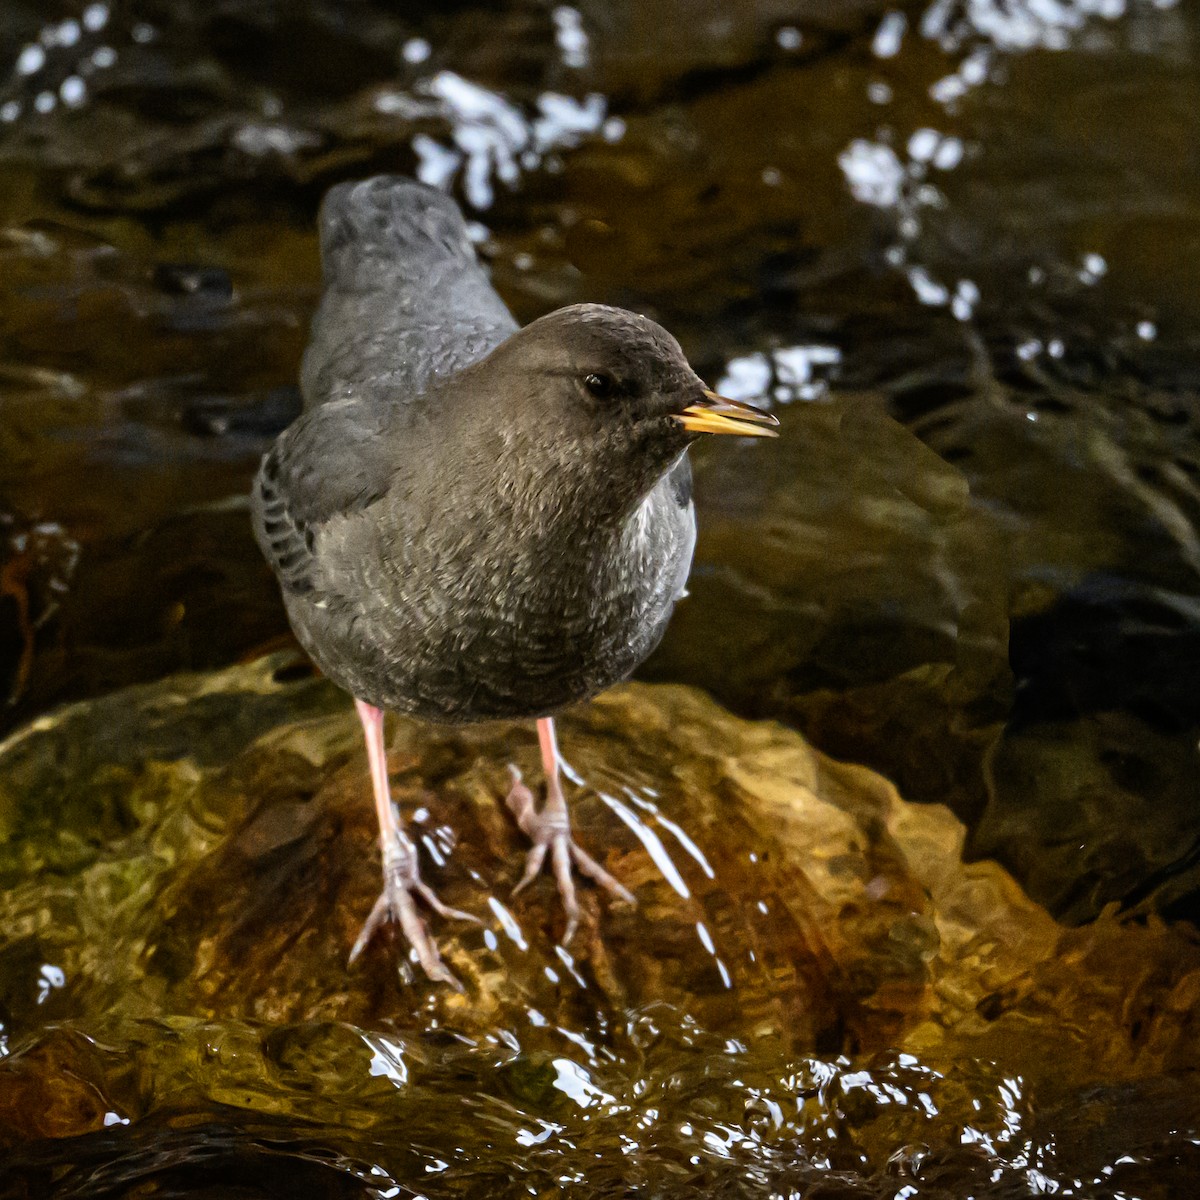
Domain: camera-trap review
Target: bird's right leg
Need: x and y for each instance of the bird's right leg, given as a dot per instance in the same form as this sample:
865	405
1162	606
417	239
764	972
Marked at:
401	875
550	832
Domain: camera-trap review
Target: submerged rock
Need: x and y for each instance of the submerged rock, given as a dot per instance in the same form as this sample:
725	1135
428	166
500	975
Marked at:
812	983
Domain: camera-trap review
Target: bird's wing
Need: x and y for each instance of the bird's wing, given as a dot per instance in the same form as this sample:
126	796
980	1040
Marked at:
405	299
334	460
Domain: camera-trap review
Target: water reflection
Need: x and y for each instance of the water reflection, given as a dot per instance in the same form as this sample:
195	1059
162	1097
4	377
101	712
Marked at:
742	1130
651	841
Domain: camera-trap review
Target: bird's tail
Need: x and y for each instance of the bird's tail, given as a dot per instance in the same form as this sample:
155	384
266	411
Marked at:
371	227
404	300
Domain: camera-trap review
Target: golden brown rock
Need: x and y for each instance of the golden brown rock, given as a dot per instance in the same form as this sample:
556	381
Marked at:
184	867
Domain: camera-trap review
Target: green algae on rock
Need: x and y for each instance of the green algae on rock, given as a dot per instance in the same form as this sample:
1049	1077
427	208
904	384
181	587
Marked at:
812	981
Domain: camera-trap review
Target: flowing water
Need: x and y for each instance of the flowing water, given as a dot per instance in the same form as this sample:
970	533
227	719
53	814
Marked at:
954	244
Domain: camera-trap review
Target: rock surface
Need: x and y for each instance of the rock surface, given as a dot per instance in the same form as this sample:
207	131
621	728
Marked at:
811	985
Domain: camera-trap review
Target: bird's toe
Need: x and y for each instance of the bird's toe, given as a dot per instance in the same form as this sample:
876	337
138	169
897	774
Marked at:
396	903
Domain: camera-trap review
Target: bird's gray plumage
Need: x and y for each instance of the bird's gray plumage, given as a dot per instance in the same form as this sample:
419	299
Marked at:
404	299
452	537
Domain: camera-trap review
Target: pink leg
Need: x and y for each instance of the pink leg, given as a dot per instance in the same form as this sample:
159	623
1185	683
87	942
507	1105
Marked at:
401	876
550	831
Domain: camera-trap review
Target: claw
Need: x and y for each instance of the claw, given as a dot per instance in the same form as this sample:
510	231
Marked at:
550	832
380	914
395	903
590	867
443	910
533	866
566	886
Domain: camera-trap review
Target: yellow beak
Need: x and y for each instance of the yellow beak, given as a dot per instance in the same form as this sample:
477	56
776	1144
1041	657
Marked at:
718	414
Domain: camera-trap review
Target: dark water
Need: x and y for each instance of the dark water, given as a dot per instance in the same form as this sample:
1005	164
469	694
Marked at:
954	244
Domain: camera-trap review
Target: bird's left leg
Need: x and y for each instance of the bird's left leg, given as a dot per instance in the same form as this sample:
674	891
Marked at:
550	831
401	876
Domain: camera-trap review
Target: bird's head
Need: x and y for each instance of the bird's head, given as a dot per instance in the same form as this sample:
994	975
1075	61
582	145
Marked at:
614	387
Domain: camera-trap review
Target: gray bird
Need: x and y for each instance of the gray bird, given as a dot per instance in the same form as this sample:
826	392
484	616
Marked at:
471	520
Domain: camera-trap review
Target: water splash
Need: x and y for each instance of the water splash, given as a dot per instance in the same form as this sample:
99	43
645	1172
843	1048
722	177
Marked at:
493	140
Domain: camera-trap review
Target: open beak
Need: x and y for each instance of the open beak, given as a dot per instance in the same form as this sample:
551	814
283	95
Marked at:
717	414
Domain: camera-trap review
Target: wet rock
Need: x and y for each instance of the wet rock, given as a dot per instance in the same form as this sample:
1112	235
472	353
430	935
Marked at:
207	284
832	948
185	865
37	562
851	585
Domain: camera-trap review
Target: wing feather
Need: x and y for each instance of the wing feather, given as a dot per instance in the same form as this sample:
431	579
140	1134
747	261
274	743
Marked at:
334	460
405	302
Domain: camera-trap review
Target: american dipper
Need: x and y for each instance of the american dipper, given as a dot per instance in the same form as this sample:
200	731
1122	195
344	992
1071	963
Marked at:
471	520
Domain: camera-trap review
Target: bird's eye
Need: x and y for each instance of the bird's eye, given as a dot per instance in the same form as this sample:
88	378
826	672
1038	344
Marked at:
599	385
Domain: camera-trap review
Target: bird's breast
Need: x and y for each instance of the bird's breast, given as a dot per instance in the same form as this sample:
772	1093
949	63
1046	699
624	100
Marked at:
507	625
589	609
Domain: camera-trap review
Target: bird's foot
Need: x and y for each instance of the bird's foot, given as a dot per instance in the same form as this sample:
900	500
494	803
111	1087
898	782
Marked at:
550	832
402	883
